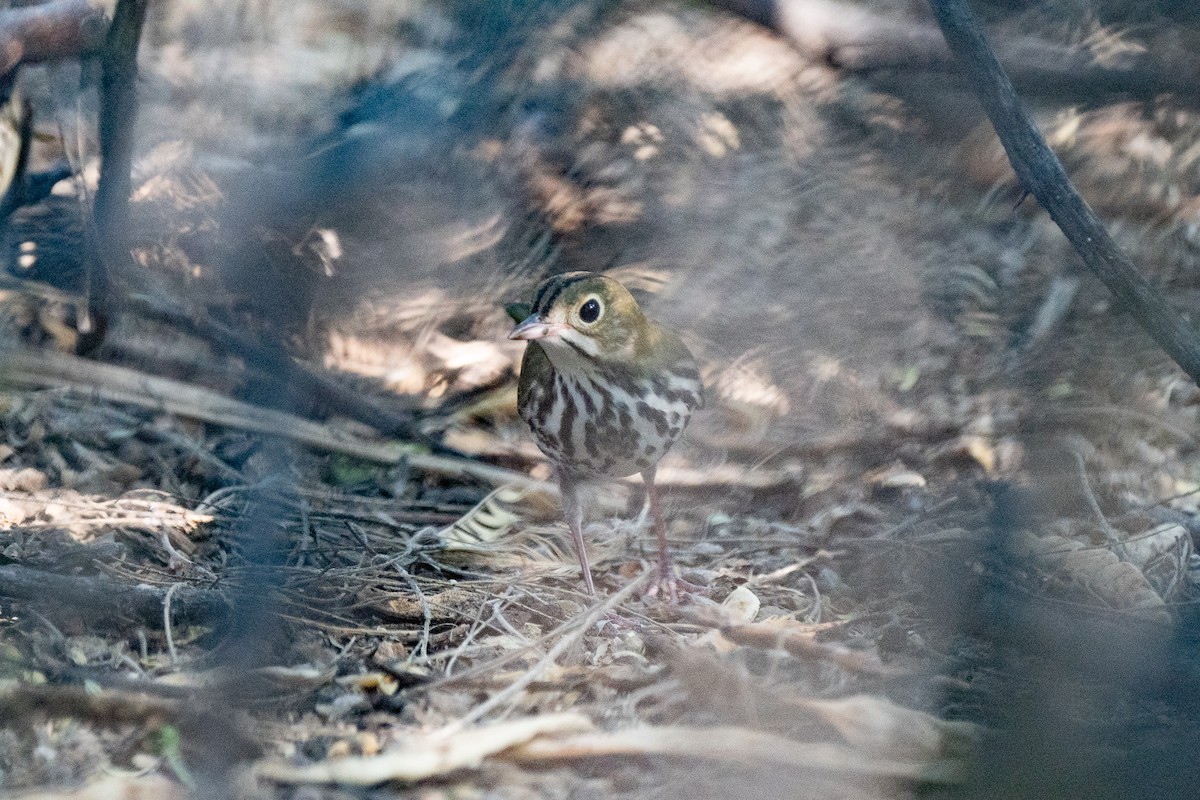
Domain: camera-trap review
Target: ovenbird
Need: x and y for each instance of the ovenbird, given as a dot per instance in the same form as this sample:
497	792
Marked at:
606	392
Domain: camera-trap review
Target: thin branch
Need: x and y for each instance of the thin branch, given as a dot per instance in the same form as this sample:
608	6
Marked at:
97	598
114	384
118	113
511	691
1043	175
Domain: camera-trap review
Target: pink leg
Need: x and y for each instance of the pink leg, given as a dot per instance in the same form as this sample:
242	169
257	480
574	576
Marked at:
666	570
573	511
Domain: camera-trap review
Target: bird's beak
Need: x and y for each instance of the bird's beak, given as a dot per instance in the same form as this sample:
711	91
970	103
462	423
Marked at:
534	328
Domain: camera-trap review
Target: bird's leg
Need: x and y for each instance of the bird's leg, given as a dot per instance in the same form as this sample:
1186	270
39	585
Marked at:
666	571
573	511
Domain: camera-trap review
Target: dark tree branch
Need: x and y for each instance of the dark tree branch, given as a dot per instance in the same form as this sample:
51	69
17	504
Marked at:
101	599
118	113
1042	175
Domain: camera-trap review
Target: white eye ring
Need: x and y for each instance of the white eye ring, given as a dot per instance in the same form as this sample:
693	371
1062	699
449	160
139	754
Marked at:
591	310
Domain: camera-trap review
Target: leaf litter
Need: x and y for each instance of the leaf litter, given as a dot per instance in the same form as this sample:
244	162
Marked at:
437	635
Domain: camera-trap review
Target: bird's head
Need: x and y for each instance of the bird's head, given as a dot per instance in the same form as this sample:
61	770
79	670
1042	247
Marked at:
584	316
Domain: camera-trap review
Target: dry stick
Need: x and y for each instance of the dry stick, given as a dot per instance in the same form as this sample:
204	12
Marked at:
166	617
740	747
115	384
1042	174
98	597
422	756
534	672
799	641
1110	533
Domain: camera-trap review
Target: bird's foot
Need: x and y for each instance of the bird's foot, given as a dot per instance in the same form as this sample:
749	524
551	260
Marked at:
671	588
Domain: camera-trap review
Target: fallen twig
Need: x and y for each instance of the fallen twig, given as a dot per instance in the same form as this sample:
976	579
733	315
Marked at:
43	369
97	597
132	786
115	708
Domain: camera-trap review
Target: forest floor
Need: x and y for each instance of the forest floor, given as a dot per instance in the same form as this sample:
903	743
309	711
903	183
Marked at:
922	492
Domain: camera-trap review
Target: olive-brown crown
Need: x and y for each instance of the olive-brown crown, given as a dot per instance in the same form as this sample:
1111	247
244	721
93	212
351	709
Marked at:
600	315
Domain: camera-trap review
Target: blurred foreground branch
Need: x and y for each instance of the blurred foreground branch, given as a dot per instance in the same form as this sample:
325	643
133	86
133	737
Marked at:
118	113
1043	175
205	730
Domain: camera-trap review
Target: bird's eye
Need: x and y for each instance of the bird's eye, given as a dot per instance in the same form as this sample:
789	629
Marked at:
590	311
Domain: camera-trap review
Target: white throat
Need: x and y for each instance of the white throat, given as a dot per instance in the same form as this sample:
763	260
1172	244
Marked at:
571	351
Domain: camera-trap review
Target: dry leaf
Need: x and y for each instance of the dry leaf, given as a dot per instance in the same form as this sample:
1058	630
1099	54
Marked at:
897	476
425	755
1118	584
23	480
971	448
452	604
741	605
380	682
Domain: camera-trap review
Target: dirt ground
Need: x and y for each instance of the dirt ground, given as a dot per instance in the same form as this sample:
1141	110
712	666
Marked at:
941	506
